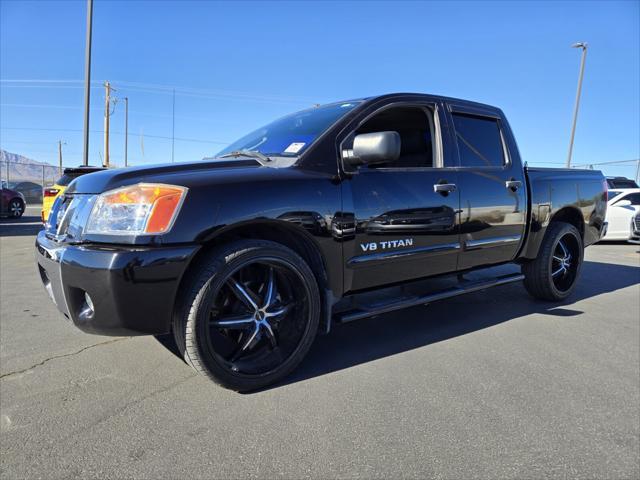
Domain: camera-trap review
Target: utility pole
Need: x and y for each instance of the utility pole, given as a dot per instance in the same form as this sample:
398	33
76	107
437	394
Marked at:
173	125
107	114
87	82
583	46
60	143
126	129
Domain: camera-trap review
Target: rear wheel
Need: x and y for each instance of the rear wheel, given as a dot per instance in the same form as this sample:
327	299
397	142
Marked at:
16	208
249	315
553	274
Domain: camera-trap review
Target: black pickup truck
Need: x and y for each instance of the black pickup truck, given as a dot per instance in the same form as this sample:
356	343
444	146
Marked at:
313	220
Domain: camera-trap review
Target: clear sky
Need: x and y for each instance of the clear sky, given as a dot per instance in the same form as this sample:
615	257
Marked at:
237	65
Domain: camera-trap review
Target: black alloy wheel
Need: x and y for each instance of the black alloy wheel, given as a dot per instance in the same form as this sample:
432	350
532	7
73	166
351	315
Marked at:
253	327
565	262
553	274
252	315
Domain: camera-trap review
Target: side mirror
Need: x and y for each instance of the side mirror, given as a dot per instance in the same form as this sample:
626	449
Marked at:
623	203
377	147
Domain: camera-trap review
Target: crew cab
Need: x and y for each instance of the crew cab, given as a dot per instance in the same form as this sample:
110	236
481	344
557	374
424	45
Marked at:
313	220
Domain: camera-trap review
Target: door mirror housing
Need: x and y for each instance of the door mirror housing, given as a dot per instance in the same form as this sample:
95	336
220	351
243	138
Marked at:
376	147
623	203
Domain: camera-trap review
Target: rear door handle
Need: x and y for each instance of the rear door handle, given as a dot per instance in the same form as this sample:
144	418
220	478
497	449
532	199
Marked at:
444	188
513	185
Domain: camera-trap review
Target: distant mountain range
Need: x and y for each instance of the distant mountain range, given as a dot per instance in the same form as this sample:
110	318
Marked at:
18	168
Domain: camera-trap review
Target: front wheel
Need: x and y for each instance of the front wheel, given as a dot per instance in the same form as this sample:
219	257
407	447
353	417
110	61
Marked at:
249	314
553	274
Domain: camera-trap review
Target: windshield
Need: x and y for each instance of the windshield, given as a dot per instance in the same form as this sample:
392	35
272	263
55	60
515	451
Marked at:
611	194
289	136
72	174
66	179
634	198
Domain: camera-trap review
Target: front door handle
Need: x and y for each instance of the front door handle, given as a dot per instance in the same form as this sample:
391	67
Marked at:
513	185
444	188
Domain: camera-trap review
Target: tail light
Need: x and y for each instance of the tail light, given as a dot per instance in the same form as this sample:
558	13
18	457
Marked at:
605	185
51	192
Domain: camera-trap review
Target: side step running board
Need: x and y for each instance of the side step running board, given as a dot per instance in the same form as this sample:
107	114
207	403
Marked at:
364	311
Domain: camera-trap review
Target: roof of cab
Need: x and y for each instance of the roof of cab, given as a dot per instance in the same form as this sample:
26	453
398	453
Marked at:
431	97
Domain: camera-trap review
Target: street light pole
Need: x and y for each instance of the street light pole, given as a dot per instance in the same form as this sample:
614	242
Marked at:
107	114
60	143
582	45
173	125
87	82
126	129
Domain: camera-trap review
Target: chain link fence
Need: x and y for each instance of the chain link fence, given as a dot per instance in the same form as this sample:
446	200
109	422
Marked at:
28	178
616	168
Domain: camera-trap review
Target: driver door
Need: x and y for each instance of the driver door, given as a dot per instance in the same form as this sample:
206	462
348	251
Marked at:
405	212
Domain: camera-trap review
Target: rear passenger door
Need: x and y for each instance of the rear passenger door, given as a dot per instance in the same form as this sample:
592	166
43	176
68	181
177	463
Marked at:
492	188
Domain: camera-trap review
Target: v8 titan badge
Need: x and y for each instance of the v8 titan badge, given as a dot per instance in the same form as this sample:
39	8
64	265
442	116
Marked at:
385	245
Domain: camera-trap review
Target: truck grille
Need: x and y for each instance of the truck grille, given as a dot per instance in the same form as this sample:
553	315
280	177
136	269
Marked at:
636	223
68	216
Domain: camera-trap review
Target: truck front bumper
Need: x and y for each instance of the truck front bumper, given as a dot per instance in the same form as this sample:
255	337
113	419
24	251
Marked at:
110	290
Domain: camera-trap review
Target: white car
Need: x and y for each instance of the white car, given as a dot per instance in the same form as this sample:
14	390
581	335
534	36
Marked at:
622	207
635	229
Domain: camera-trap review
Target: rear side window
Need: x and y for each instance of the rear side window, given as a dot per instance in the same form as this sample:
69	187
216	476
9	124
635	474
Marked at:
479	141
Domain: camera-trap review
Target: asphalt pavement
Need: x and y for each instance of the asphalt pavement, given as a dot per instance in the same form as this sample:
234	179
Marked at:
488	385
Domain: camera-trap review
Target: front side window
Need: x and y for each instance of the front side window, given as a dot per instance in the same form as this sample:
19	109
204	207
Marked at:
479	141
291	135
416	135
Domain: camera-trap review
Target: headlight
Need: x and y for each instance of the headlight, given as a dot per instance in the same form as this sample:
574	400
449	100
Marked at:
145	208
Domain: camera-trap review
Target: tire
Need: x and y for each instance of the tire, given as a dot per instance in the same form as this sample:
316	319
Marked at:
16	208
554	273
248	315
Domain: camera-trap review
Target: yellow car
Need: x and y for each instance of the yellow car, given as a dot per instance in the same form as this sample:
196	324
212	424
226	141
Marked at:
49	194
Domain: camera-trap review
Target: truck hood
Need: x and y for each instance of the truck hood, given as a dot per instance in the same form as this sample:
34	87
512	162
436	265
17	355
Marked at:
185	174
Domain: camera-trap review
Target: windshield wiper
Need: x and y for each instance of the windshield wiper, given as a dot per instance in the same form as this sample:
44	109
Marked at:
261	157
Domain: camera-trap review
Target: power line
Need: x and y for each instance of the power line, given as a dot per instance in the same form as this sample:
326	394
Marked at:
42	105
35	80
161	89
611	162
181	139
99	106
30	142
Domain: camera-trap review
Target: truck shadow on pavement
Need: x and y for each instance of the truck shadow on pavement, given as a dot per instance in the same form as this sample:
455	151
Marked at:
371	339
